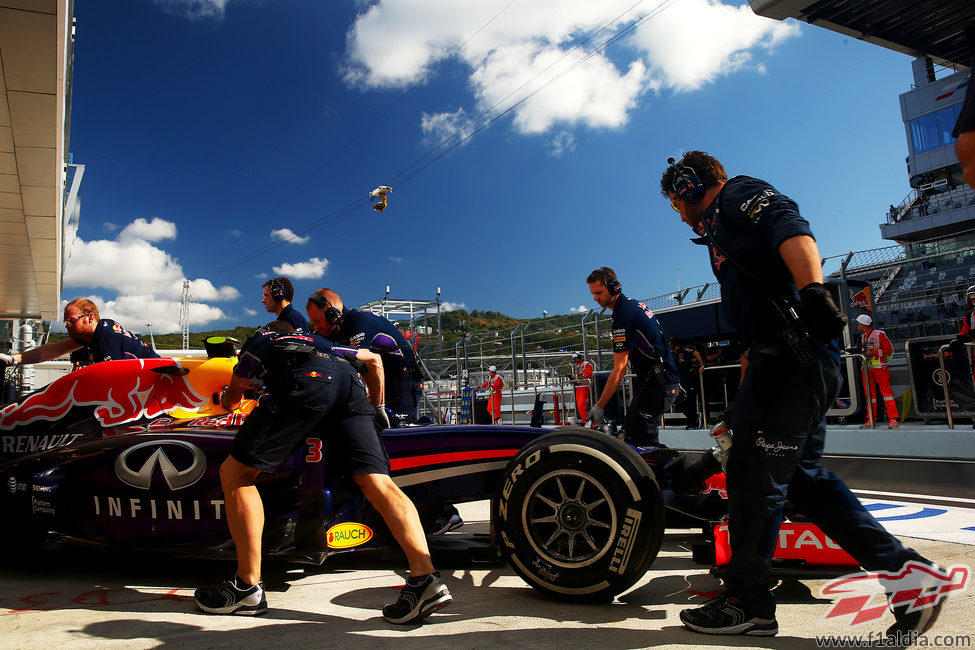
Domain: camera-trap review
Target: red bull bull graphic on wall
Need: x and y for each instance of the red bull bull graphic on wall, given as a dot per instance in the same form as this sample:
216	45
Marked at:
861	299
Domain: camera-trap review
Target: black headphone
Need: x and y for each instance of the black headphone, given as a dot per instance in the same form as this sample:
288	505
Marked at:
276	290
332	315
686	184
614	286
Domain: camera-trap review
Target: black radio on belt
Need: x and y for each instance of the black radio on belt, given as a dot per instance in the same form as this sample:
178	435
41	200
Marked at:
659	372
794	336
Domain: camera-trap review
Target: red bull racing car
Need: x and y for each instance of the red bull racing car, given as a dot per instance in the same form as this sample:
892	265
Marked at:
126	454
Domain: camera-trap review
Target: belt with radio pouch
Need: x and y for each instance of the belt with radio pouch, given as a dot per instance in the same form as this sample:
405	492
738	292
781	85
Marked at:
300	352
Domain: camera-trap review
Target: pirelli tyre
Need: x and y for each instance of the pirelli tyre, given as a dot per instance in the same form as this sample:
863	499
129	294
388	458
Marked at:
579	515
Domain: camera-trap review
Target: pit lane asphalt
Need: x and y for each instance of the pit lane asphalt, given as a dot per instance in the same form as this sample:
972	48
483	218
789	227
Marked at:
76	600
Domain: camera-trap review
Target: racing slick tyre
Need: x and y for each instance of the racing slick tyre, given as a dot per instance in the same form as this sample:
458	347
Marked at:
579	515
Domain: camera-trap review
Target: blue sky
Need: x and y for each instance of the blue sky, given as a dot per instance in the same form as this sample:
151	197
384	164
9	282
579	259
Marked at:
229	141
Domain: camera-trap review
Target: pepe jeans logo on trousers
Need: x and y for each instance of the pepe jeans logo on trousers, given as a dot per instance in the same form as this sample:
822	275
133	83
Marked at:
775	448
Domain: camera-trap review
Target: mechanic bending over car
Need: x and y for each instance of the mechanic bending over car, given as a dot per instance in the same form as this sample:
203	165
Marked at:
764	256
106	339
312	386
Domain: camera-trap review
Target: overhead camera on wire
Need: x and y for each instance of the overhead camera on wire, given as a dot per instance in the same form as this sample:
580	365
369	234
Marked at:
380	193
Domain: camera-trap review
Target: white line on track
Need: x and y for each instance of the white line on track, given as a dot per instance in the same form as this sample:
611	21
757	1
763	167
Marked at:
914	496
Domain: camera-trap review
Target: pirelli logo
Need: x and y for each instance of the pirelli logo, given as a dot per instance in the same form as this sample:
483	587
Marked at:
624	543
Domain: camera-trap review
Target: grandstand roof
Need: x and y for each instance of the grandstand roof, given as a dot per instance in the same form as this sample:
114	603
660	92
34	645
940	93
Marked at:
915	27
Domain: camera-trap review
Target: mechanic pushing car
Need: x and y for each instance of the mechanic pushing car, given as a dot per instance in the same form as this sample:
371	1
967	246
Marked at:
311	385
360	329
767	262
104	337
638	339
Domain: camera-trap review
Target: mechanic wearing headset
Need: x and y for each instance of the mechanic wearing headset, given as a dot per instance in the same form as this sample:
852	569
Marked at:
312	386
367	331
638	339
104	337
278	294
764	256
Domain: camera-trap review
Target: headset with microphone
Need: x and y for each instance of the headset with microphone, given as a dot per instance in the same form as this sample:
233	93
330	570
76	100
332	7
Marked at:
276	290
614	286
332	315
686	184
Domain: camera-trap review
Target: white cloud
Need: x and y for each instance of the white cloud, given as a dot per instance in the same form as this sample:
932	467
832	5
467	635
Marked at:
395	260
250	312
563	143
136	312
724	41
313	268
285	235
451	306
147	281
581	309
109	226
395	43
149	231
195	9
440	127
202	289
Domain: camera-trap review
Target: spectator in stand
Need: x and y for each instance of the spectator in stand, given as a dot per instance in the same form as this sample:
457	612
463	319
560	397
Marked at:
494	382
876	377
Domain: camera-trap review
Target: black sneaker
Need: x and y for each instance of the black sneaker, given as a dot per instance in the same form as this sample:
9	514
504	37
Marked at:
908	626
727	615
228	598
417	601
448	520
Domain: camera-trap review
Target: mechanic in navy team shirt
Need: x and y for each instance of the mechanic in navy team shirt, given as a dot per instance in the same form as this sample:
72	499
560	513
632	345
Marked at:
638	339
312	388
965	125
104	337
367	331
278	294
764	256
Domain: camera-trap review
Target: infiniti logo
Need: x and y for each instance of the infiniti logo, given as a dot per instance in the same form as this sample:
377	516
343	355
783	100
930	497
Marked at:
177	479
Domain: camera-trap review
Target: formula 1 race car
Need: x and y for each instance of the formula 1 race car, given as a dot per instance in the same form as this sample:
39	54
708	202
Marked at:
126	454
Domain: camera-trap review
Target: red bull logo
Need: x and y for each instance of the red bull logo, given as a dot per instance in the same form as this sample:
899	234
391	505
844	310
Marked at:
121	391
864	596
861	298
717	483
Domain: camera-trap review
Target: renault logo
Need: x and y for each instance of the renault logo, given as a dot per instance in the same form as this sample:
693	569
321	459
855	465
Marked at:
195	463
